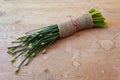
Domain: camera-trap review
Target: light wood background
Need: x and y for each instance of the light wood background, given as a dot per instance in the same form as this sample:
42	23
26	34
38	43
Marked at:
88	55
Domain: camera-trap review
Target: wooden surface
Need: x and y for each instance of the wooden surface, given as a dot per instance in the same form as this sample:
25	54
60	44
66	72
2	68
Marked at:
88	55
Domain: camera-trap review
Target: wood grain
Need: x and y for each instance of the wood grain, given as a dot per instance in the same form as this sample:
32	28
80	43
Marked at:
88	55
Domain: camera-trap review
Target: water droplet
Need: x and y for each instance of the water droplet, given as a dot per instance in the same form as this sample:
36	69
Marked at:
65	74
76	54
106	44
102	71
76	64
45	57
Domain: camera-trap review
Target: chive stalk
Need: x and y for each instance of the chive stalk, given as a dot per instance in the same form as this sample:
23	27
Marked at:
37	41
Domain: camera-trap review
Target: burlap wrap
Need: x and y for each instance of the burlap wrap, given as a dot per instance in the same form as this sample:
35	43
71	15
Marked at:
68	28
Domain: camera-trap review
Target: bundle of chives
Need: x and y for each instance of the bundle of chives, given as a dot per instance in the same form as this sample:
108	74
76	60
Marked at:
33	43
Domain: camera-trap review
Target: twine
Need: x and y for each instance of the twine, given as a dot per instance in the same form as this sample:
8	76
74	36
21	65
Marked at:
75	24
70	27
